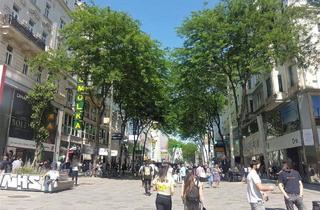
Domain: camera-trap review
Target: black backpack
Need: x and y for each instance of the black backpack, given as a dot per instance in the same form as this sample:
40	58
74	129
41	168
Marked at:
193	196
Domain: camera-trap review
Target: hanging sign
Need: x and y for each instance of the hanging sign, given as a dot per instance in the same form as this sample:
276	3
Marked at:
79	105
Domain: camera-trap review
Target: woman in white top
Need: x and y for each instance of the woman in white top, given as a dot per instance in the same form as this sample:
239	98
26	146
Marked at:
164	185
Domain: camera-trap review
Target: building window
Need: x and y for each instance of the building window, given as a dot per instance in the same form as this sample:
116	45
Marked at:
25	67
47	10
291	78
86	109
15	12
318	27
70	97
38	75
62	23
9	55
290	117
31	25
251	105
44	36
249	84
269	89
280	83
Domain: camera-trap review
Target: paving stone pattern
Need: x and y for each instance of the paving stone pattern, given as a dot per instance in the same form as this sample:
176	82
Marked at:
114	194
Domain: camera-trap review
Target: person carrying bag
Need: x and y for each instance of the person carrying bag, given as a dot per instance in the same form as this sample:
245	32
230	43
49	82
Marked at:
192	193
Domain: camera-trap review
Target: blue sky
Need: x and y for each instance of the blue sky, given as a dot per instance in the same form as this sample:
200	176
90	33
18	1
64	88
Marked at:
159	18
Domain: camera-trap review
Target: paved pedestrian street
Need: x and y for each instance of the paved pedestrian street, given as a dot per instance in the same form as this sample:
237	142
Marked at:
116	194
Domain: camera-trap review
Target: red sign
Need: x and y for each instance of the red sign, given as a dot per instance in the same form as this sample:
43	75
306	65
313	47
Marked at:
3	69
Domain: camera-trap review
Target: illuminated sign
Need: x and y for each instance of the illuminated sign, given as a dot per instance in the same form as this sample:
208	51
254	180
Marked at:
79	105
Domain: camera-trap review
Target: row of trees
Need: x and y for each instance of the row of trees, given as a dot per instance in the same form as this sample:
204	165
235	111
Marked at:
223	48
108	50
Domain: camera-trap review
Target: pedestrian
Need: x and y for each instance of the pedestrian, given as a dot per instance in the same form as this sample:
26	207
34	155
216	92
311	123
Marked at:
164	185
254	187
50	177
183	171
75	171
201	173
216	175
192	193
4	168
290	184
16	165
147	177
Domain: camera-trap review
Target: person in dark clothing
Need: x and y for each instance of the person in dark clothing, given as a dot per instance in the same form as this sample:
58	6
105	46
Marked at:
147	177
5	165
291	186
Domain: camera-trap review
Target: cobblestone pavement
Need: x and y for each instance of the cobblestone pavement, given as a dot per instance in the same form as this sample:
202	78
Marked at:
114	194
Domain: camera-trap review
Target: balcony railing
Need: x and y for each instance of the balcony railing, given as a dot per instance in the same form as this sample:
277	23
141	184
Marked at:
9	19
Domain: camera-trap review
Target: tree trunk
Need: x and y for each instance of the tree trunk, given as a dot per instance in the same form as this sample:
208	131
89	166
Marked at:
123	128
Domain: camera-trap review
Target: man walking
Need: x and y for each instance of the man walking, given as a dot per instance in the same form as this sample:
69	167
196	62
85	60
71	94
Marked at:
291	186
147	176
254	187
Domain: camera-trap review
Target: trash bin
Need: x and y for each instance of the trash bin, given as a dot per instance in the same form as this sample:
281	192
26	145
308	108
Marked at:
315	205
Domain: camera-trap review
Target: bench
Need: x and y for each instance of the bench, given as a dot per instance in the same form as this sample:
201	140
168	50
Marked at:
60	185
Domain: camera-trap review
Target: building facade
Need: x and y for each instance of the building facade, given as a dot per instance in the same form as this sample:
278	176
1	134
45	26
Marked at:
27	28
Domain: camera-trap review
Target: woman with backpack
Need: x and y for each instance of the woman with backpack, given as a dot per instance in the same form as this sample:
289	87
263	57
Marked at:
192	193
164	185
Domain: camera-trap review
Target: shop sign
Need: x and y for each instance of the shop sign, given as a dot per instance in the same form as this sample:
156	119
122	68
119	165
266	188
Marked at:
3	70
287	141
20	117
79	105
20	182
114	153
103	151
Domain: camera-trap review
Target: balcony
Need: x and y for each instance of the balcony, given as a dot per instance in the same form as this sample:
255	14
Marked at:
12	29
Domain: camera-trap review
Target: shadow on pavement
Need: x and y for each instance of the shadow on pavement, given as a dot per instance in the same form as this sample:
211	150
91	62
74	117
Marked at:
275	209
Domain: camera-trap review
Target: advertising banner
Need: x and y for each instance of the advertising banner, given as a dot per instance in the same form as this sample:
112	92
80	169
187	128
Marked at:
20	117
79	105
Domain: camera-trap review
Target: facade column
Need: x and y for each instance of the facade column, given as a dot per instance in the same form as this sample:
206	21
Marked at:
263	142
58	136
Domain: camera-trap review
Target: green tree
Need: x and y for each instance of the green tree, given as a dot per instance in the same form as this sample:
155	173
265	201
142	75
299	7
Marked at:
189	151
107	48
241	38
40	99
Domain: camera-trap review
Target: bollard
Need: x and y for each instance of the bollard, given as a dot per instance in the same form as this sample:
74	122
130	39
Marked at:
315	205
